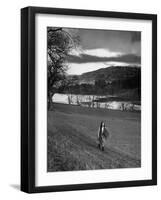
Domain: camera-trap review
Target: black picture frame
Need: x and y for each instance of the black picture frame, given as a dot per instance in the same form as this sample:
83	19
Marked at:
28	98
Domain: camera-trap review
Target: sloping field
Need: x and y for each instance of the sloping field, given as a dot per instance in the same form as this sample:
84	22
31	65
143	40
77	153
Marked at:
72	139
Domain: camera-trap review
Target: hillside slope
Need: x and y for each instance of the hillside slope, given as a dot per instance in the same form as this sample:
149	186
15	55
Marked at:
111	74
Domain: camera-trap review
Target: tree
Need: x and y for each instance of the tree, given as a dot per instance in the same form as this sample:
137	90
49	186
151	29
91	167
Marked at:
59	44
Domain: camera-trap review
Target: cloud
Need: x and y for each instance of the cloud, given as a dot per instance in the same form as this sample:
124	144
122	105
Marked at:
102	53
99	52
86	58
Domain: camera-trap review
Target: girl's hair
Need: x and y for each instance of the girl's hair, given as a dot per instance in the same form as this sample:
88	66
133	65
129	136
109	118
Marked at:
102	123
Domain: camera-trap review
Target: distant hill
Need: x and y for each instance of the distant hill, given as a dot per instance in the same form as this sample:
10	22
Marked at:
121	81
110	74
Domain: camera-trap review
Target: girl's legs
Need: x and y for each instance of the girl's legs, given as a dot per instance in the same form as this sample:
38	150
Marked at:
101	144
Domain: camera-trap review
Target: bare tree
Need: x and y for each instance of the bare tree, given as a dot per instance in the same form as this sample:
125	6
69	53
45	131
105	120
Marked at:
59	44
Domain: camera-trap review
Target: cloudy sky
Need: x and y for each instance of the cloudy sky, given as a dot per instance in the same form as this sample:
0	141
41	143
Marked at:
104	48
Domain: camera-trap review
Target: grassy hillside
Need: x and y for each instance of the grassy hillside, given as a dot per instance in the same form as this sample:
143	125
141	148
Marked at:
111	73
72	139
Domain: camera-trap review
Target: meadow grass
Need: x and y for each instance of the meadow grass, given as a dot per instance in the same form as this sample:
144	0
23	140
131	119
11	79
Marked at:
72	139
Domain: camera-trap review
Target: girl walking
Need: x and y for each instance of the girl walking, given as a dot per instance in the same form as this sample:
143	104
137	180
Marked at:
103	135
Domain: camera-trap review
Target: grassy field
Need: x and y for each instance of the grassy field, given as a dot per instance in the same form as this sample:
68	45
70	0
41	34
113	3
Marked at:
72	139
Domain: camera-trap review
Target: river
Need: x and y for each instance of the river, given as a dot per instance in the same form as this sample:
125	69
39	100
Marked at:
95	101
